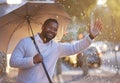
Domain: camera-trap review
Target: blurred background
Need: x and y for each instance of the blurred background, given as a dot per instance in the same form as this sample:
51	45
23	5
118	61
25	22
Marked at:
83	13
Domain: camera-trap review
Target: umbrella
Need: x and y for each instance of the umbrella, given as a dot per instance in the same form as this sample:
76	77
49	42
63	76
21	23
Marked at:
14	23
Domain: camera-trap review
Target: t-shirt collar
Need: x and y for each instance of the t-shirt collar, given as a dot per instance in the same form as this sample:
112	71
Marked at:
38	38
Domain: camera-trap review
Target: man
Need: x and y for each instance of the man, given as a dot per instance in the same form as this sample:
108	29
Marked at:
26	58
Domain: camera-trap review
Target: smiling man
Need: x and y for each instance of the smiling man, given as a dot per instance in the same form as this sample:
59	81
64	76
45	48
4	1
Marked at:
26	58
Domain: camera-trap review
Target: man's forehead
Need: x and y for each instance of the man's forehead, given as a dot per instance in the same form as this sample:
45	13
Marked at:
51	24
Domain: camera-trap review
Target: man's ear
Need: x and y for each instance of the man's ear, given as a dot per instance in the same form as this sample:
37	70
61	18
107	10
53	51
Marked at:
42	27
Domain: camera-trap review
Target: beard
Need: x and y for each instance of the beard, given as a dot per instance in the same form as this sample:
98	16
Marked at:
49	36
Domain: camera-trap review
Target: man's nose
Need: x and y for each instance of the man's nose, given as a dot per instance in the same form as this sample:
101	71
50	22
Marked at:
52	30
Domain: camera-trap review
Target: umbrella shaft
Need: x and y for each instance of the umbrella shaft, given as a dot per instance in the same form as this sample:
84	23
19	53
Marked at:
42	61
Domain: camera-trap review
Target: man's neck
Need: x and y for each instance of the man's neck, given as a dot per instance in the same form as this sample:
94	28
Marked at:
43	38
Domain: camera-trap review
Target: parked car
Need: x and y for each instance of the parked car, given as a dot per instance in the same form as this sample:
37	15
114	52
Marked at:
70	60
90	57
101	46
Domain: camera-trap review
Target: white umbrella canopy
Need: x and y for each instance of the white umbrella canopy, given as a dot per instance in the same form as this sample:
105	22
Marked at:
14	24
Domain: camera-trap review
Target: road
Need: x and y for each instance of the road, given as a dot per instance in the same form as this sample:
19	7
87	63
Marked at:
107	73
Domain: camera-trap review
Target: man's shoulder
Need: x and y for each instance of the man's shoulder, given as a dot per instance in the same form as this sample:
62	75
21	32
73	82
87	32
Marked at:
25	40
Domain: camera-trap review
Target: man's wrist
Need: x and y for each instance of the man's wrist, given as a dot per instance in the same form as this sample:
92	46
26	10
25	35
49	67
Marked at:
91	36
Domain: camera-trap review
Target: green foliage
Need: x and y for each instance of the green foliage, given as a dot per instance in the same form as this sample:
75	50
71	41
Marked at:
114	5
110	15
79	8
68	37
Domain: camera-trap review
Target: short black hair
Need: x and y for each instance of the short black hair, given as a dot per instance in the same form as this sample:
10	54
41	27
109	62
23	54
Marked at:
50	20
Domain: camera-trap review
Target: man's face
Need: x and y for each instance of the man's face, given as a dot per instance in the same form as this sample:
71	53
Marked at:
50	30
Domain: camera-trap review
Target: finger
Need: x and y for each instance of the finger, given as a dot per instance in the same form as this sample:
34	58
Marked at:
98	25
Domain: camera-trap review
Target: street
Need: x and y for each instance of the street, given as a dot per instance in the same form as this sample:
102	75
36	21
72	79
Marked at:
107	73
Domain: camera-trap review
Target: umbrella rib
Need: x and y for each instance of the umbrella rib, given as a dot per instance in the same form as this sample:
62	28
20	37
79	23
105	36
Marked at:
68	18
34	21
42	6
8	23
26	9
18	15
14	31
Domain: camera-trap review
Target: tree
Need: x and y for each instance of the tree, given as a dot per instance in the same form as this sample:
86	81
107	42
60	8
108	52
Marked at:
79	8
110	15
